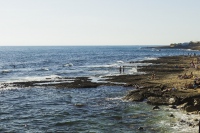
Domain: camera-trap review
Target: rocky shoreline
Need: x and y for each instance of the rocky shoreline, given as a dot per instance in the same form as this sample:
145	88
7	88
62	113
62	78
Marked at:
160	85
167	88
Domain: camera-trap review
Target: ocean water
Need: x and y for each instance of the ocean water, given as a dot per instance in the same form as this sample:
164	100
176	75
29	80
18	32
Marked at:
99	110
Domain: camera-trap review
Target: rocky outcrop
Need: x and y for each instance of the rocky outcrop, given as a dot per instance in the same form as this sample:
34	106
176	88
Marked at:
162	100
189	101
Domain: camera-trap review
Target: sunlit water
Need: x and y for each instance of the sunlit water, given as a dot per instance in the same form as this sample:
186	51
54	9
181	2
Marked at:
47	109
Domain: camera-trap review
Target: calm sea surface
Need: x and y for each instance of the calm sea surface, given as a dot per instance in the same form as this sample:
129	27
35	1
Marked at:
100	110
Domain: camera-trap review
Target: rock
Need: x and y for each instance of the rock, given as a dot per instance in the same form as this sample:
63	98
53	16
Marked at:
79	105
140	128
189	124
135	95
156	108
159	100
196	101
171	115
182	121
173	106
191	108
128	85
172	100
183	106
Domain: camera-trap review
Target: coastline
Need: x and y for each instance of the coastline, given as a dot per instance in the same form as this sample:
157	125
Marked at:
165	83
165	88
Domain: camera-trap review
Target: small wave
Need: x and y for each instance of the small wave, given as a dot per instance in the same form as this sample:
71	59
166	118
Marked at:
191	50
150	58
4	86
121	62
115	98
98	79
6	71
55	82
68	65
181	123
44	69
35	78
102	66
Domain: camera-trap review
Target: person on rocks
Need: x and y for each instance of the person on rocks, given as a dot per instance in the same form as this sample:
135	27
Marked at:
195	84
192	64
153	76
120	69
191	75
185	76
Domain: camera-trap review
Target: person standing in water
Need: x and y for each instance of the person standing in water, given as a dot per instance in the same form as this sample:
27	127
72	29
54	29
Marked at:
120	69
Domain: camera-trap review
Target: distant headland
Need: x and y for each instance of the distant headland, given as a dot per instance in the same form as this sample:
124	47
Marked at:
186	45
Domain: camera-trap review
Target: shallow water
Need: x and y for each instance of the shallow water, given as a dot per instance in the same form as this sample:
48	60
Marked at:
79	110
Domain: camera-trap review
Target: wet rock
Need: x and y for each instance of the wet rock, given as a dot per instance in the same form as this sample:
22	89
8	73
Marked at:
196	101
182	121
171	115
156	108
191	108
183	106
161	100
173	106
157	100
140	128
128	85
79	105
134	96
190	124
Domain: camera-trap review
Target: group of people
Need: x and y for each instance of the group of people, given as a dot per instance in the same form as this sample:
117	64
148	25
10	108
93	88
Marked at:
185	76
195	65
194	85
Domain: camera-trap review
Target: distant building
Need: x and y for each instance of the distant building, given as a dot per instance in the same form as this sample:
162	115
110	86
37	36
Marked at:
185	44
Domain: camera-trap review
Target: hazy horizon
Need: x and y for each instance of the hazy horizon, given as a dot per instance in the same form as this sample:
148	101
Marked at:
98	23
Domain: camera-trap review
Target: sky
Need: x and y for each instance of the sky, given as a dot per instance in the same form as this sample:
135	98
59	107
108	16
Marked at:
98	22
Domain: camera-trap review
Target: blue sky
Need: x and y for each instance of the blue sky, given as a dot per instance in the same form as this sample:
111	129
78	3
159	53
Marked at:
98	22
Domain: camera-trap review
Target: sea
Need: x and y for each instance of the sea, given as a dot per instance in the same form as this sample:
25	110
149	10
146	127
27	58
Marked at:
80	110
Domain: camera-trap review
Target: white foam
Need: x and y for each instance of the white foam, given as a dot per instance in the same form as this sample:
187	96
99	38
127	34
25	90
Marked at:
134	70
34	78
176	125
150	58
68	65
101	66
44	69
121	62
4	87
55	82
115	98
191	50
98	79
